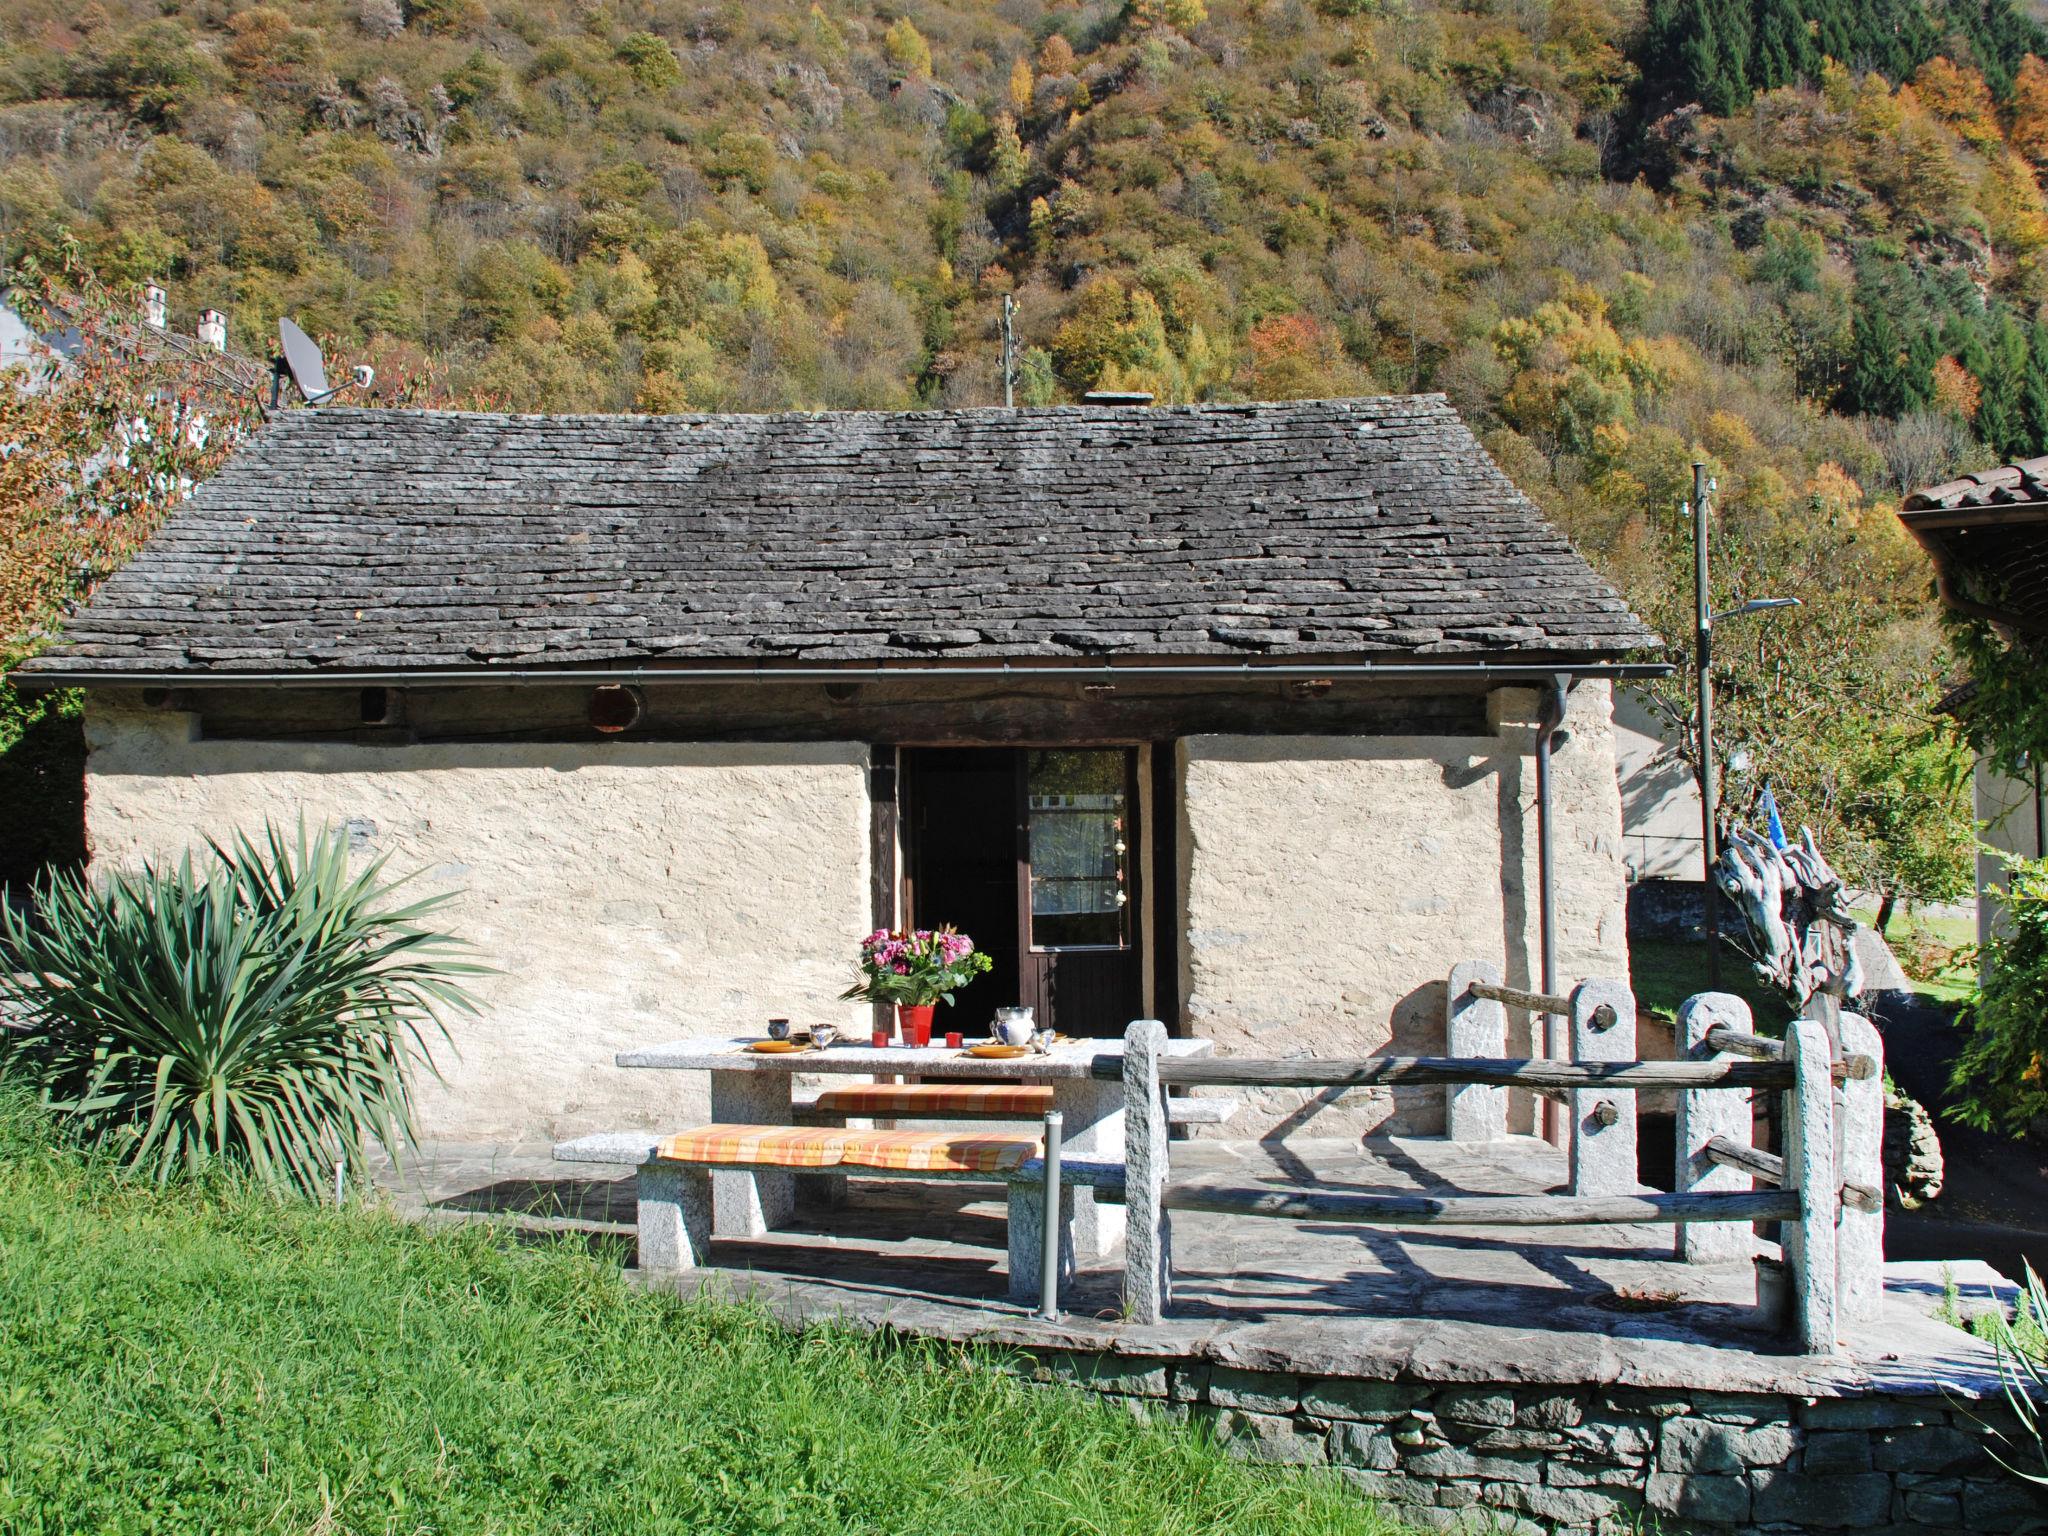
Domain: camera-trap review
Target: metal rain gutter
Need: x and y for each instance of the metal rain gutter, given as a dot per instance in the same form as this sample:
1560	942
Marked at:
1556	1045
643	676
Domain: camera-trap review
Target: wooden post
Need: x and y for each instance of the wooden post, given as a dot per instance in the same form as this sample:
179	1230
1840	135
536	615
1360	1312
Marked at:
1474	1026
1603	1132
1809	1242
1705	1114
1148	1259
1859	1240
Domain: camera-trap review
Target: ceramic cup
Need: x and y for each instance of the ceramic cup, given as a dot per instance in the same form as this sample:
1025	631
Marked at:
1014	1026
823	1035
778	1029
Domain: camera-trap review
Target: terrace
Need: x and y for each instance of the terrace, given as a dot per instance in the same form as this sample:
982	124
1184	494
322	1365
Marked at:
1568	1376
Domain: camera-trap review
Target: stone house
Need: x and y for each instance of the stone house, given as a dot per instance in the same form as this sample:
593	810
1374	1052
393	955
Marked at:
1228	715
1987	534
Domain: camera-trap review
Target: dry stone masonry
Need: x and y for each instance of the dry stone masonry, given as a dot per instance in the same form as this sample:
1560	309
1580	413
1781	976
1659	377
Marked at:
1601	1461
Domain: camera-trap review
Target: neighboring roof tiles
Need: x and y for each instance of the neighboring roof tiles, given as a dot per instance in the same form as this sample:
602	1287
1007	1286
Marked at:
1988	536
2008	485
345	539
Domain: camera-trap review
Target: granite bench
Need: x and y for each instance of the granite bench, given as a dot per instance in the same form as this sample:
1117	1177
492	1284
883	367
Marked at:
675	1199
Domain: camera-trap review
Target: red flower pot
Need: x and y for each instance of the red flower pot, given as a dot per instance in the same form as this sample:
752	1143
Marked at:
914	1025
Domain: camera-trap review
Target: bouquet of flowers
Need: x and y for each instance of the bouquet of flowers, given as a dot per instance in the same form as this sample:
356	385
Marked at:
915	970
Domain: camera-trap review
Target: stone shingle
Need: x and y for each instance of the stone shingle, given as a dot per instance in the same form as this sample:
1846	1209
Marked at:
345	539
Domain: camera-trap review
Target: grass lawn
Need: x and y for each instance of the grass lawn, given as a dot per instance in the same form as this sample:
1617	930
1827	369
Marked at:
1928	946
1665	972
215	1362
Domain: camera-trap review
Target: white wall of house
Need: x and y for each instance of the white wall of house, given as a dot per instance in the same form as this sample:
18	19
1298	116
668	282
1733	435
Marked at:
1660	798
1329	883
627	892
2010	815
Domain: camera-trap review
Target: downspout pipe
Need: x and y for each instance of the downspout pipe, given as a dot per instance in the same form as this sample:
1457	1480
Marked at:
1549	717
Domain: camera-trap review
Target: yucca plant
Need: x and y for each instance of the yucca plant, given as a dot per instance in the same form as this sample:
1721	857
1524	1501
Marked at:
2023	1372
262	1010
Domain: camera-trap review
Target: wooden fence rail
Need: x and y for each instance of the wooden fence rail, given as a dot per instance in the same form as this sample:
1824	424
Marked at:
1855	1066
1805	1203
1770	1168
1483	1210
1507	1072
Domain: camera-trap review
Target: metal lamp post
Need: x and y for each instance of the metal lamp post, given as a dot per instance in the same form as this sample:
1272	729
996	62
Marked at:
1703	661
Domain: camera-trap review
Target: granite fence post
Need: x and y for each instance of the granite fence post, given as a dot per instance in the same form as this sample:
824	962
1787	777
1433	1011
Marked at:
1809	1242
1859	1236
1603	1142
1705	1114
1474	1026
1148	1261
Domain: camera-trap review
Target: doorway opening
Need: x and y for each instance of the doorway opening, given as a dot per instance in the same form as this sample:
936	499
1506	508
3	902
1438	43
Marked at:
1035	853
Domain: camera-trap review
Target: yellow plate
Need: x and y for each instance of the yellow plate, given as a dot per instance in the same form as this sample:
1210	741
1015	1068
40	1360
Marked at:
775	1047
997	1052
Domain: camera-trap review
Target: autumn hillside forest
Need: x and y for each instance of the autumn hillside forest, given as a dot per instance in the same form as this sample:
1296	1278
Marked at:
1804	241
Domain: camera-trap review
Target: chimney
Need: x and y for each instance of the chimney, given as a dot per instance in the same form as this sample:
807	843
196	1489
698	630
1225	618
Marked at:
155	306
1117	397
213	330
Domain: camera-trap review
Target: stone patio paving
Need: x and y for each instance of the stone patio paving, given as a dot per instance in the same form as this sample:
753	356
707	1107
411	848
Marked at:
1584	1305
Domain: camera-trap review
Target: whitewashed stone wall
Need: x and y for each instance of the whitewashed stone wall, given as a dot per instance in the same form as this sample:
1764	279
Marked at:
1329	883
627	892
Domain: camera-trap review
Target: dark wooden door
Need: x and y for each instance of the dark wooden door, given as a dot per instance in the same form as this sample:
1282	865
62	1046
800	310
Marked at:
1033	853
959	820
1077	887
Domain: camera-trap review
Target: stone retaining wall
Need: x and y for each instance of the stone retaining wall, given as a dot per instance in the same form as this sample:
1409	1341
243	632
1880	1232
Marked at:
1600	1460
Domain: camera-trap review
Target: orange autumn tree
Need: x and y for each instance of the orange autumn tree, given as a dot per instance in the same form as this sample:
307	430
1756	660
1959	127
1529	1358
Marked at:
97	447
100	445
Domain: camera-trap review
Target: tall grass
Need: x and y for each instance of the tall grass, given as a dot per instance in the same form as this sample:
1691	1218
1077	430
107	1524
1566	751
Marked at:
205	1359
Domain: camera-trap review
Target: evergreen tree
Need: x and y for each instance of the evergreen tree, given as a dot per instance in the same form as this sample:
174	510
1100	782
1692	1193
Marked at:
2001	418
1837	34
1922	353
1784	53
1735	29
2034	393
2001	426
1877	374
1697	57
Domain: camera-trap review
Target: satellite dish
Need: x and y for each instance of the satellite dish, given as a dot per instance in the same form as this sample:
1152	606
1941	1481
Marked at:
300	361
308	369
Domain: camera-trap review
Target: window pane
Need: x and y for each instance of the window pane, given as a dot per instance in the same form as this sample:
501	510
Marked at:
1078	813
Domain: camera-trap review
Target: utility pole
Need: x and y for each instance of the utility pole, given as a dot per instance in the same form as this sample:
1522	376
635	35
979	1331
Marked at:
1703	661
1009	352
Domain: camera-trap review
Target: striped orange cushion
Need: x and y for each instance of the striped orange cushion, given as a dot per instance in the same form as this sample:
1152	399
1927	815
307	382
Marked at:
937	1151
780	1146
937	1098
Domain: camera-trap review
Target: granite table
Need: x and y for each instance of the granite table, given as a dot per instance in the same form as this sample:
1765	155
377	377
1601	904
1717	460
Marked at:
753	1088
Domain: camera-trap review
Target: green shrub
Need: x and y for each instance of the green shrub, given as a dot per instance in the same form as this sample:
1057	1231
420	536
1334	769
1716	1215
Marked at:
2023	1371
261	1012
1997	1078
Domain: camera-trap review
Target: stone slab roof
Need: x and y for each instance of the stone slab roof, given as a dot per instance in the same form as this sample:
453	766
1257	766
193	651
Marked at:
348	539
